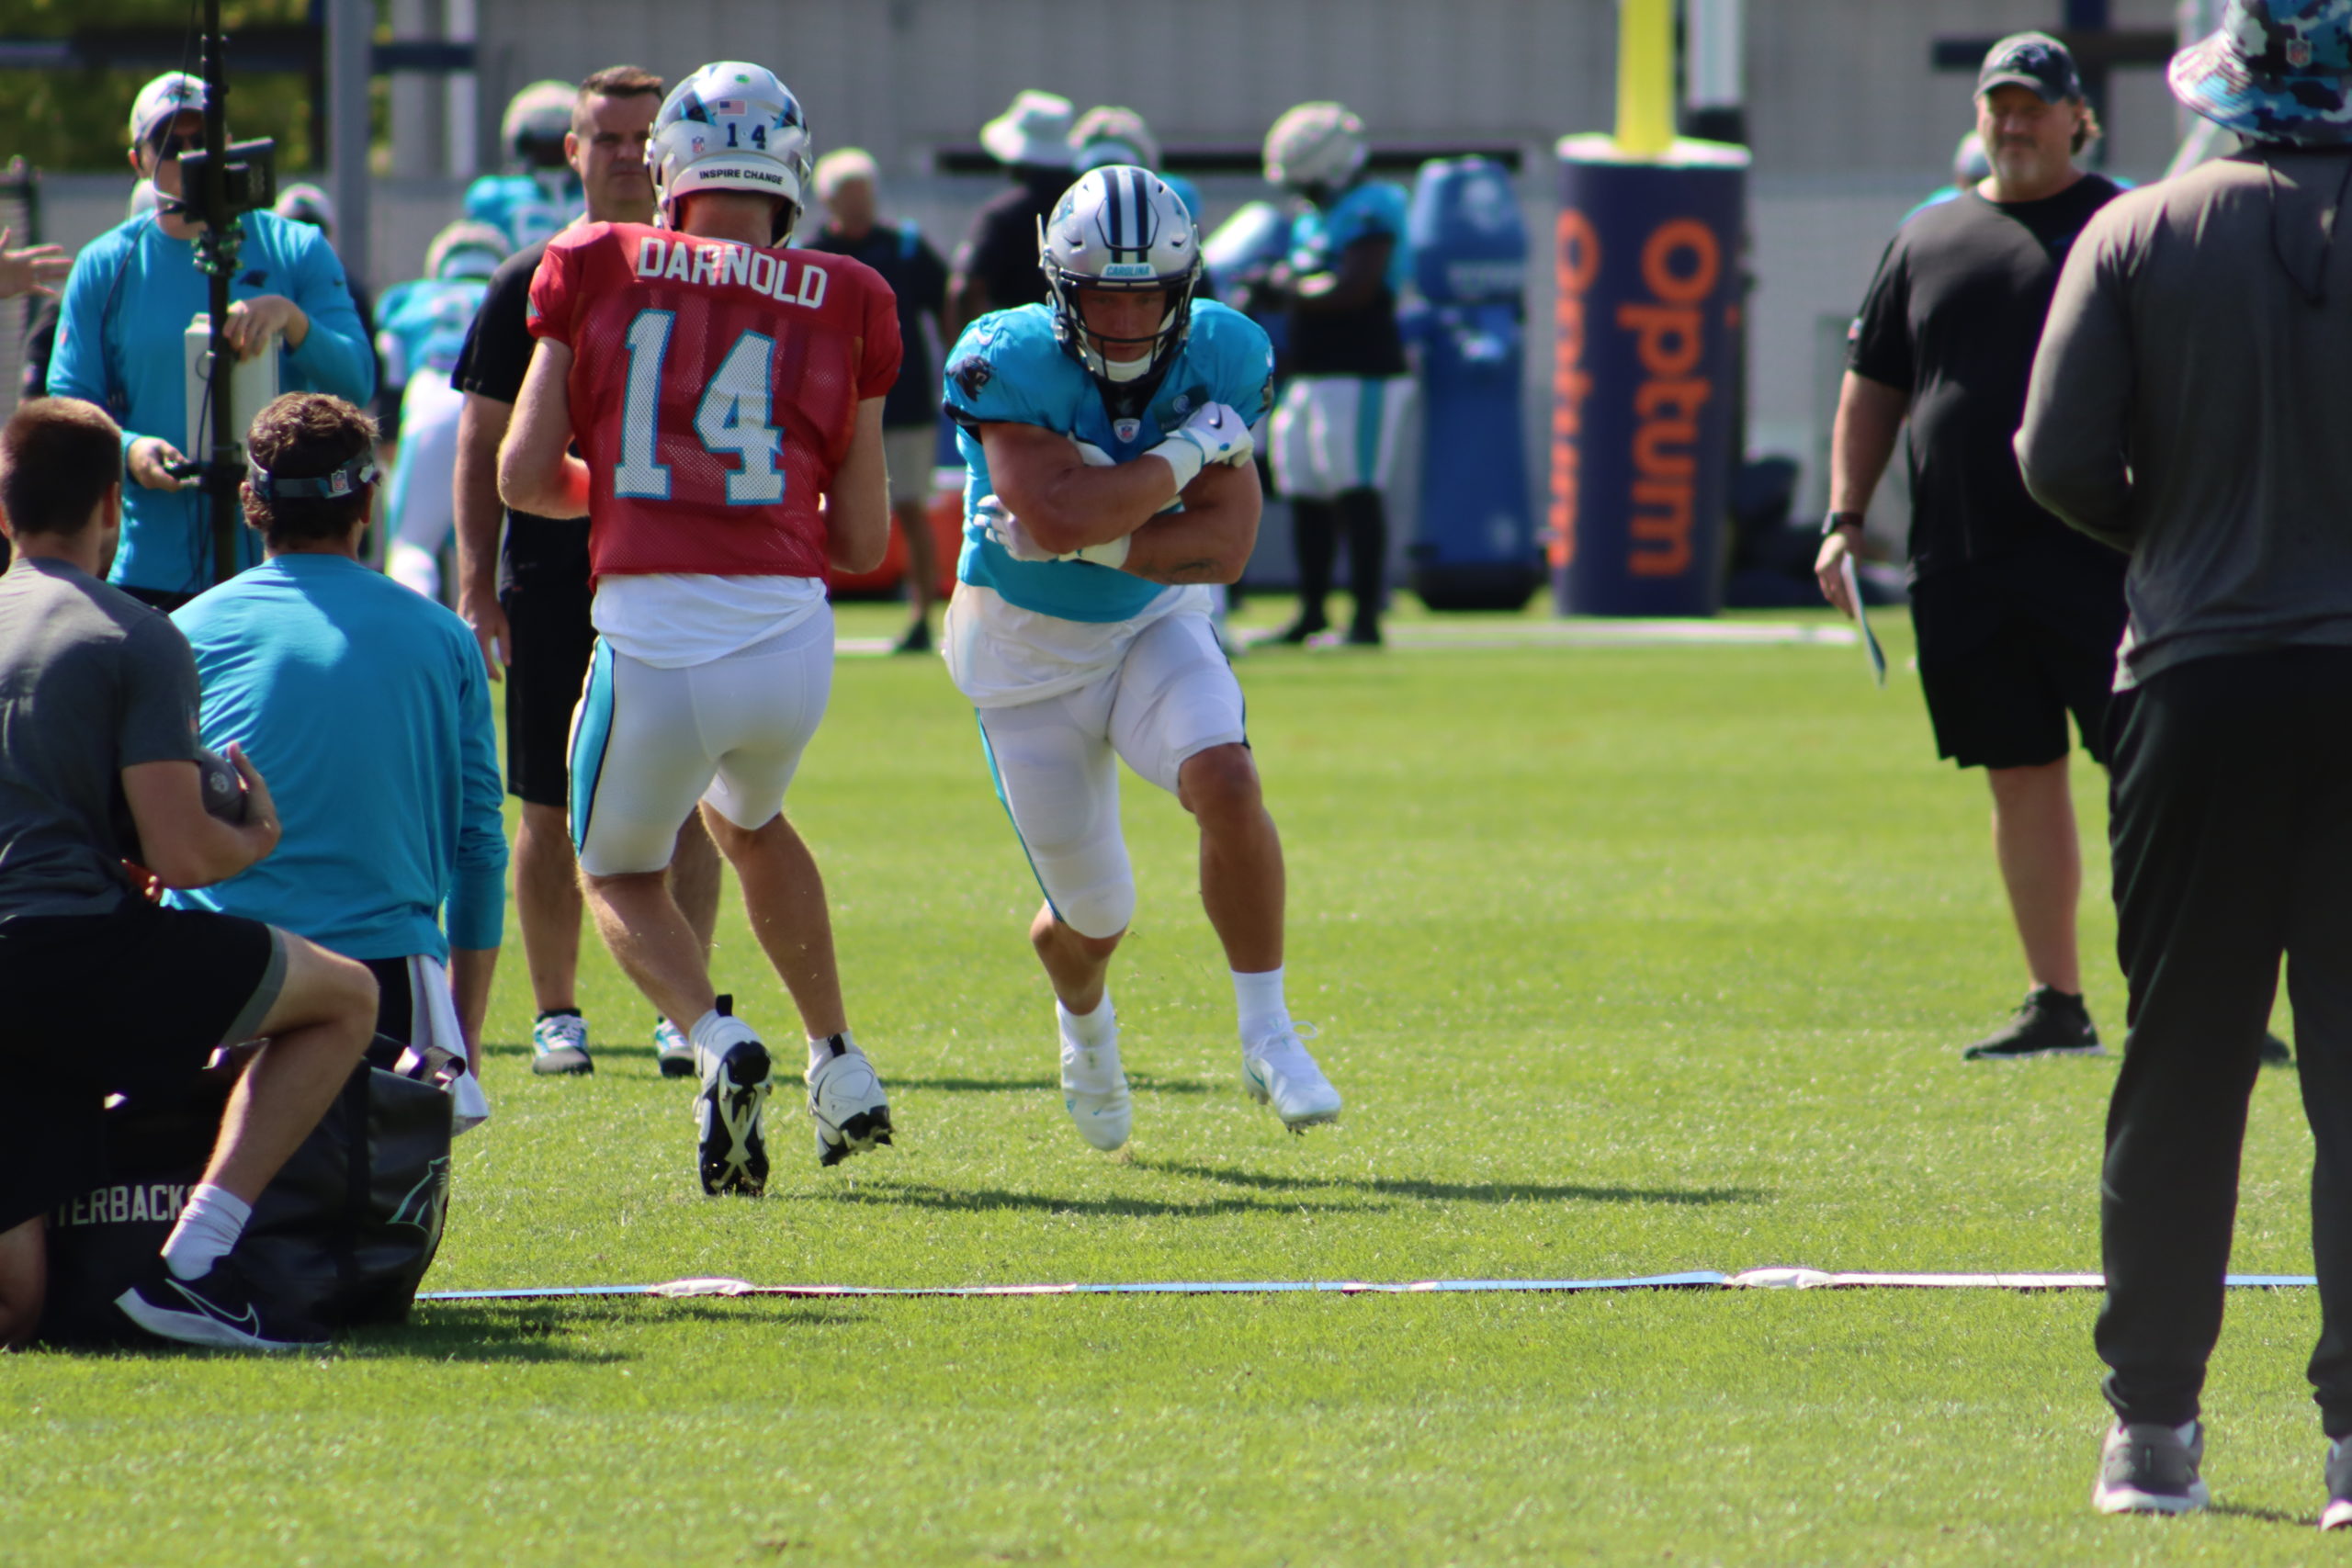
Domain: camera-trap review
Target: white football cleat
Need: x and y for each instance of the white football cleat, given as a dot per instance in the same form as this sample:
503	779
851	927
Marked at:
1094	1091
845	1102
1277	1071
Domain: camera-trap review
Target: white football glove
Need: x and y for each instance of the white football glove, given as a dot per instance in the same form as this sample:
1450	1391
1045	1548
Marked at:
1214	434
1093	456
1006	531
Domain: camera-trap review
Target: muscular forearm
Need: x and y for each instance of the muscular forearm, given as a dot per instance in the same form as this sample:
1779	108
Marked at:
1210	540
1072	508
1870	416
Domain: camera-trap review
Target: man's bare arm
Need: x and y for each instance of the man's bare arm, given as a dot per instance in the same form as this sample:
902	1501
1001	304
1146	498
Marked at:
536	473
857	509
481	425
1870	416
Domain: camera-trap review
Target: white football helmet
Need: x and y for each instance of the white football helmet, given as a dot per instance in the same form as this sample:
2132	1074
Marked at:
731	126
1318	145
1120	227
535	122
465	249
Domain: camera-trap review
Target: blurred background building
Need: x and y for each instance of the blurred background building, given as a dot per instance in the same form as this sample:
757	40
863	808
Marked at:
1849	117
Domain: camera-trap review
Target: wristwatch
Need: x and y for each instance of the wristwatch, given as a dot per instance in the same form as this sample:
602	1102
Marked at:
1838	520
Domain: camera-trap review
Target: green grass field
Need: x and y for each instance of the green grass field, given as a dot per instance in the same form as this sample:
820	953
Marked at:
1628	960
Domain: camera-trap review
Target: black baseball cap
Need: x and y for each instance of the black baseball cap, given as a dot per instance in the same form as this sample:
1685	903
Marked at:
2034	61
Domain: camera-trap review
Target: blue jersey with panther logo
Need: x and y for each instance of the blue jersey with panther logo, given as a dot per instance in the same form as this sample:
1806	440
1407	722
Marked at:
421	326
527	208
1008	369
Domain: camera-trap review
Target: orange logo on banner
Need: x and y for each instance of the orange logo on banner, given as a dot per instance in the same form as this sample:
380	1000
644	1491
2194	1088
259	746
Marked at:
1576	266
1681	263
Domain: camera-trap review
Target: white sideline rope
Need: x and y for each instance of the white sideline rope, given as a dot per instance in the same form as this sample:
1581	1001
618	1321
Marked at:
1783	1279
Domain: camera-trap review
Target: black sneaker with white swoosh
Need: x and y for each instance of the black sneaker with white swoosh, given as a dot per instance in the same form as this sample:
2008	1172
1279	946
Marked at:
218	1310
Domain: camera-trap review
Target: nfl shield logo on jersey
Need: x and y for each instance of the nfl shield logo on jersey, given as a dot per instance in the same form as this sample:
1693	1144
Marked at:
1126	429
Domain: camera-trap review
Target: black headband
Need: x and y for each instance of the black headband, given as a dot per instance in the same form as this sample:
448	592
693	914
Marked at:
337	484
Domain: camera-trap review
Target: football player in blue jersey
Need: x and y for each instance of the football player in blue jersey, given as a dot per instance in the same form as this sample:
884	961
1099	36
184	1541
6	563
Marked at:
539	194
420	332
1334	437
1106	434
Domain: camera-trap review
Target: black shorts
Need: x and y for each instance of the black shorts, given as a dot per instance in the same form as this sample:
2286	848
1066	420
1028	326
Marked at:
113	1004
2003	668
553	640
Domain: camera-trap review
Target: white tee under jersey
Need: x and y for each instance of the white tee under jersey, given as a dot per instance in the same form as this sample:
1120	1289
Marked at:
674	620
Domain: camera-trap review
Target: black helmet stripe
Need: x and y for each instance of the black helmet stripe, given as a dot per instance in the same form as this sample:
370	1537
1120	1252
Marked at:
1116	220
1143	225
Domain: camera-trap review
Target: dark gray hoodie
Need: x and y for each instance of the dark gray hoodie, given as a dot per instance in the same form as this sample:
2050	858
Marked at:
2192	405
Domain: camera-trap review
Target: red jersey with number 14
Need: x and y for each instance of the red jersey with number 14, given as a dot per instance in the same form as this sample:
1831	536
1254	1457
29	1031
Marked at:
714	390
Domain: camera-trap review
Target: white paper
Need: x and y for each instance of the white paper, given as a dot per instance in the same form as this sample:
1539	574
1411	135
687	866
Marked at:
1871	649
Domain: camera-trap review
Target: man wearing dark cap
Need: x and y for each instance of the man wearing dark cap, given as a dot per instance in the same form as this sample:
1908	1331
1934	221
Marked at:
2188	407
2017	617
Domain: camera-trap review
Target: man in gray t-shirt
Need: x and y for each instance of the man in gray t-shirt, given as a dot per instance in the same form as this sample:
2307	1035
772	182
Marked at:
107	992
79	662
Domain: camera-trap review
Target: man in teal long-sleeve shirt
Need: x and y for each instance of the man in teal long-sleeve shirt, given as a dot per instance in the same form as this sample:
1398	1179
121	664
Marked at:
370	707
125	315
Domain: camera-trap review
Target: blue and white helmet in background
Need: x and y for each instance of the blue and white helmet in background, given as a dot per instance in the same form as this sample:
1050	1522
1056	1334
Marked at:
1316	146
731	126
1120	227
465	249
535	122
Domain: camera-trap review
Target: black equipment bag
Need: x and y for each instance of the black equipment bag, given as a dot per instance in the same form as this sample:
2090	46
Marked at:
342	1235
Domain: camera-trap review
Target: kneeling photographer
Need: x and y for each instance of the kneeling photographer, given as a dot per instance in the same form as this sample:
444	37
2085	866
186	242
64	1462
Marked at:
108	993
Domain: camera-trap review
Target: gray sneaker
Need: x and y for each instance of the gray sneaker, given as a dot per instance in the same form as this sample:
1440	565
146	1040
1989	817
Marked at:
2338	1512
559	1044
2146	1467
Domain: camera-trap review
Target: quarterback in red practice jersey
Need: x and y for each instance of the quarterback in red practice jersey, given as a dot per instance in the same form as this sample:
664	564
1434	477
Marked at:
726	398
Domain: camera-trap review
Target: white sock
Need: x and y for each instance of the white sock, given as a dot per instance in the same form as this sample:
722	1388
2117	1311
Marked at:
715	1034
209	1226
1258	999
1088	1031
821	1051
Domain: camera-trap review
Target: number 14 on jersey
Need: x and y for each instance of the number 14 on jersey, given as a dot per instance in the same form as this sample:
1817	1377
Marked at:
735	417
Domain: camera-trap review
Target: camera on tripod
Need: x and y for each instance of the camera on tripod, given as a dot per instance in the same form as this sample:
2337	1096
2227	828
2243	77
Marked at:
248	172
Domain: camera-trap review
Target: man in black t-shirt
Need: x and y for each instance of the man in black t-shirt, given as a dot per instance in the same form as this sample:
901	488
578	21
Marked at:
529	601
996	266
2019	617
845	180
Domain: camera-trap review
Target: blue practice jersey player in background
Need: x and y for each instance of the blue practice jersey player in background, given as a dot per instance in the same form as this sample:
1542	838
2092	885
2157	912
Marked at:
420	335
539	194
1334	437
1107	436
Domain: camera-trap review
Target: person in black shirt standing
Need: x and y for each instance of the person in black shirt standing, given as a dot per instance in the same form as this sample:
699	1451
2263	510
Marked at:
2018	616
528	603
996	266
845	180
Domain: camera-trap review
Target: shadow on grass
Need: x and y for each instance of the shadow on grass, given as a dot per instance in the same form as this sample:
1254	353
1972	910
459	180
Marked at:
1460	1191
1142	1082
982	1199
2267	1516
543	1331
